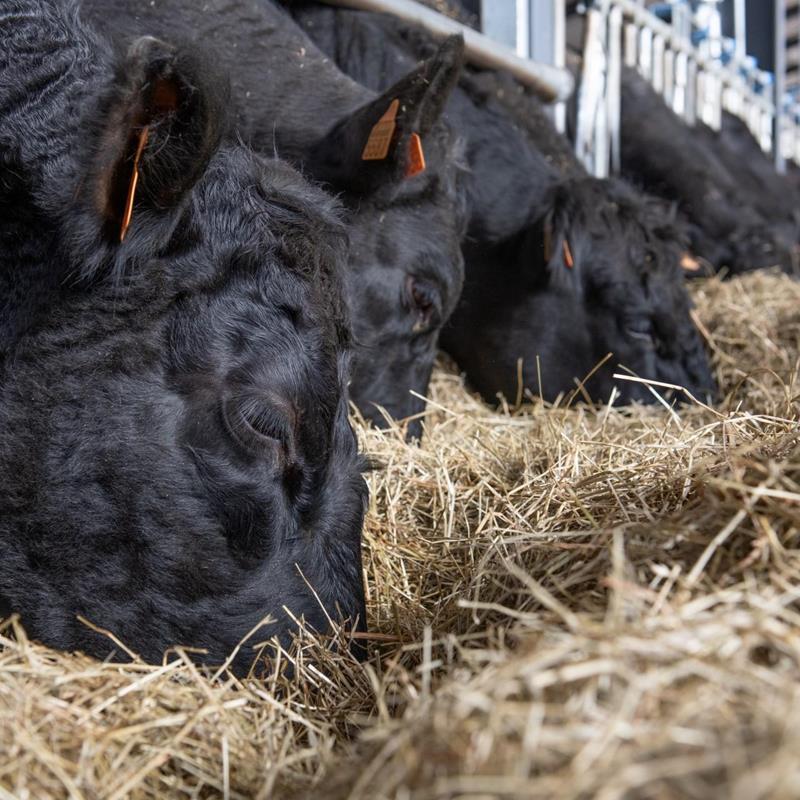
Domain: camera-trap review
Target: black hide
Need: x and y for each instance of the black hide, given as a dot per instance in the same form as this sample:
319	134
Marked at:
176	460
405	267
664	155
625	294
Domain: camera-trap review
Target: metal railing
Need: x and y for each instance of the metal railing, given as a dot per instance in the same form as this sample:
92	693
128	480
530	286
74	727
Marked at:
686	59
549	79
698	73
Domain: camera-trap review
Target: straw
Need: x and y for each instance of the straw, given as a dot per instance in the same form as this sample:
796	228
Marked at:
568	602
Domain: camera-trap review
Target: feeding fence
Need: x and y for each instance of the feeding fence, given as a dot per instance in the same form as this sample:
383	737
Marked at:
679	49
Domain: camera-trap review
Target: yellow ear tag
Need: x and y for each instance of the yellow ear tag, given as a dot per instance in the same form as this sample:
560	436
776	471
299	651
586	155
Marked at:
128	215
416	156
380	137
689	263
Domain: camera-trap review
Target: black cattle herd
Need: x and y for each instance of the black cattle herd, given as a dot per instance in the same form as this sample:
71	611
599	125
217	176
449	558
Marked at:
222	222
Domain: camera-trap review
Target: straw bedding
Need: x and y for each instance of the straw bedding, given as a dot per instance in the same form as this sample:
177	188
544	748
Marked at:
565	602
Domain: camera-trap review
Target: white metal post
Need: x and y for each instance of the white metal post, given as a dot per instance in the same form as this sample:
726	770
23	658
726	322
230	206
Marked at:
780	82
545	24
740	28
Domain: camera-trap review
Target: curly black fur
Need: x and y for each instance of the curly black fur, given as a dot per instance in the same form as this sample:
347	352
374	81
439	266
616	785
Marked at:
405	234
175	454
625	294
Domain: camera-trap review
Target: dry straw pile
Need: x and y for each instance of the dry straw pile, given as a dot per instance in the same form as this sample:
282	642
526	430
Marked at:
568	602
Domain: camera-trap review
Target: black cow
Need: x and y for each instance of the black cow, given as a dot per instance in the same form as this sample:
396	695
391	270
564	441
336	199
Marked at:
598	274
774	196
406	268
176	461
533	212
667	157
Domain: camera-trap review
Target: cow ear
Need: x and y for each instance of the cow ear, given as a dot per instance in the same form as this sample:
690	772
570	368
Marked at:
558	253
144	146
383	142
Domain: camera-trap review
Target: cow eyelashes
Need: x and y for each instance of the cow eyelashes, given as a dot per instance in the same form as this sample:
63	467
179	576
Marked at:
252	424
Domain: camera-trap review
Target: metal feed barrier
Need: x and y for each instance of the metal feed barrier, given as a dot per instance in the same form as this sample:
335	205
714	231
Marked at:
547	77
676	45
689	63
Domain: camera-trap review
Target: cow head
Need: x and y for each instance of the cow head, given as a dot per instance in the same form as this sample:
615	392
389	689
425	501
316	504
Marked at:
736	239
176	458
761	246
406	268
598	274
628	252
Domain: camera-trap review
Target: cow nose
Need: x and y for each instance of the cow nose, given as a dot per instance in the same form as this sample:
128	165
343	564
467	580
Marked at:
414	431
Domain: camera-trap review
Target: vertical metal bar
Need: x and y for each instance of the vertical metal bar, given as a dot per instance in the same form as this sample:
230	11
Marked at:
690	112
589	126
559	55
646	53
658	64
499	22
524	20
614	88
700	94
740	27
542	31
780	82
716	102
545	25
714	29
680	92
631	45
669	76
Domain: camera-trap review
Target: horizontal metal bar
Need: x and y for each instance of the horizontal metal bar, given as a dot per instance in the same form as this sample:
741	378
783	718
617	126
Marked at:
551	83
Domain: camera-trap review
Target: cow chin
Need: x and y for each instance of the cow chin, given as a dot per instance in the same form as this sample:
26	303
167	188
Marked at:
393	389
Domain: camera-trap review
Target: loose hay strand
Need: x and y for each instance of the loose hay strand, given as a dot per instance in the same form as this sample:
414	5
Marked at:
564	602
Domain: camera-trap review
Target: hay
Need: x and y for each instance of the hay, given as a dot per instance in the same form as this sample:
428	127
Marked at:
571	603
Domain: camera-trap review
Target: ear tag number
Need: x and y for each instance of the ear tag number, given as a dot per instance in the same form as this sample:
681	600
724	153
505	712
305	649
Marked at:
128	215
416	156
380	137
568	259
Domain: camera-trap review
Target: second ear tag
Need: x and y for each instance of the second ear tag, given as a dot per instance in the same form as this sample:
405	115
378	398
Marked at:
128	213
568	259
380	137
689	263
416	156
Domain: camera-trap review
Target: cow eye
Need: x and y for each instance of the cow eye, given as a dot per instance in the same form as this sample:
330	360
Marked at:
640	329
424	301
253	423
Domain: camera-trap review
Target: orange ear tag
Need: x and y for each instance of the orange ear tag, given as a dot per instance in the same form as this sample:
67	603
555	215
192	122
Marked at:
568	259
416	156
128	215
689	263
380	137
